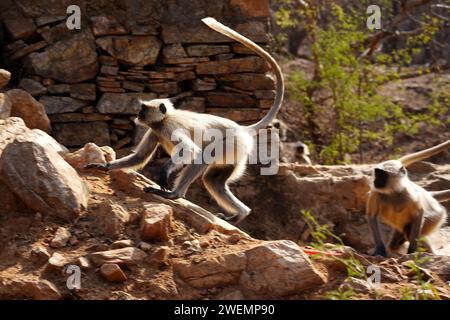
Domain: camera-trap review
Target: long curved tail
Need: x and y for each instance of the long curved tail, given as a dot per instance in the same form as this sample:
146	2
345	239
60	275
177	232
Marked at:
264	122
417	156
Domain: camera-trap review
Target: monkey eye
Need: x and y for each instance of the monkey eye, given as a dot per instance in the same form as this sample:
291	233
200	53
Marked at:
403	170
162	108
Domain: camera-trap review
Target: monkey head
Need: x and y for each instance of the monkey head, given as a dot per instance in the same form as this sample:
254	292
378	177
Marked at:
153	111
388	177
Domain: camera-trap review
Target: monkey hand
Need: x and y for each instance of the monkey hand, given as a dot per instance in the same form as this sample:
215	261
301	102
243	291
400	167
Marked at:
165	194
98	166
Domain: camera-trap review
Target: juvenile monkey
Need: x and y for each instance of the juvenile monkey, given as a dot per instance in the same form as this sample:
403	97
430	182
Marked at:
164	123
407	208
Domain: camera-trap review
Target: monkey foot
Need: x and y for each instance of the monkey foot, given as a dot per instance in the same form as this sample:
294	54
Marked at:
380	252
165	194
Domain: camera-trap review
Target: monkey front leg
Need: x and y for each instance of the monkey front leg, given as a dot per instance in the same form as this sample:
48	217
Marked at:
414	232
142	155
372	216
167	169
380	249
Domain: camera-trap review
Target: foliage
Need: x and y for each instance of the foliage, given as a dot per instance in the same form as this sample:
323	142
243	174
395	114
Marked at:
354	110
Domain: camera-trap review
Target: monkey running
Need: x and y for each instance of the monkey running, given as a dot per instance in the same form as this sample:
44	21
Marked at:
410	210
164	123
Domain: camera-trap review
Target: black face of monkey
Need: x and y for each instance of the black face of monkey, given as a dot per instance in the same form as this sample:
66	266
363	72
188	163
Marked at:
143	113
381	178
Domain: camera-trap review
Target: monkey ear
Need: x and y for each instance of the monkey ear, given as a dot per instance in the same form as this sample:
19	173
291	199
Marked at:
162	108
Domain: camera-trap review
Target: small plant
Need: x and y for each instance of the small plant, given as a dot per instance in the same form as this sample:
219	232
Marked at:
426	288
354	267
342	293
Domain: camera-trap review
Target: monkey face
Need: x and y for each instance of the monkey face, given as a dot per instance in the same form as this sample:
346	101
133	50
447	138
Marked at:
388	176
153	111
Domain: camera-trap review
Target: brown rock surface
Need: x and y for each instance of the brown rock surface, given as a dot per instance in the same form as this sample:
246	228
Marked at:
30	110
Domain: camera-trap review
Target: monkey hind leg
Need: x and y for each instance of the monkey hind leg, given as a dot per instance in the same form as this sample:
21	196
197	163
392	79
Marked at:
396	240
216	180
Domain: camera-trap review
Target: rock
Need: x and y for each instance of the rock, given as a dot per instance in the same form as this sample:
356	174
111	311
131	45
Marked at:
440	265
79	117
265	94
27	50
145	246
28	287
5	76
196	104
5	106
225	99
59	89
203	84
170	87
276	269
179	33
83	91
90	153
110	219
33	87
133	50
207	50
54	104
124	256
112	272
27	108
187	75
156	222
247	64
9	129
159	255
249	81
61	238
133	86
56	262
422	167
215	271
358	285
122	244
109	70
70	61
41	178
39	255
20	27
84	263
174	51
122	103
106	25
78	134
233	295
254	30
252	8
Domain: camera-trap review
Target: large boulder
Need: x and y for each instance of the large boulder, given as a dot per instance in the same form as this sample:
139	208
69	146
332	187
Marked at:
70	61
30	110
33	169
277	269
267	270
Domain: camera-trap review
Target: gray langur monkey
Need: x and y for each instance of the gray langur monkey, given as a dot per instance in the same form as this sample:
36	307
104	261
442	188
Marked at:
410	210
296	151
163	120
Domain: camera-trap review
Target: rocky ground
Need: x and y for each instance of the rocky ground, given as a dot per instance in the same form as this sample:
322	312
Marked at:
131	245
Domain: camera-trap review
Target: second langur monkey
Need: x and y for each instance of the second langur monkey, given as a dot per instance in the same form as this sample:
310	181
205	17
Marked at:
163	121
410	210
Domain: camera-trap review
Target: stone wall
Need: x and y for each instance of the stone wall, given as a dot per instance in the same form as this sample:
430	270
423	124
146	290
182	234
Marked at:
89	79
